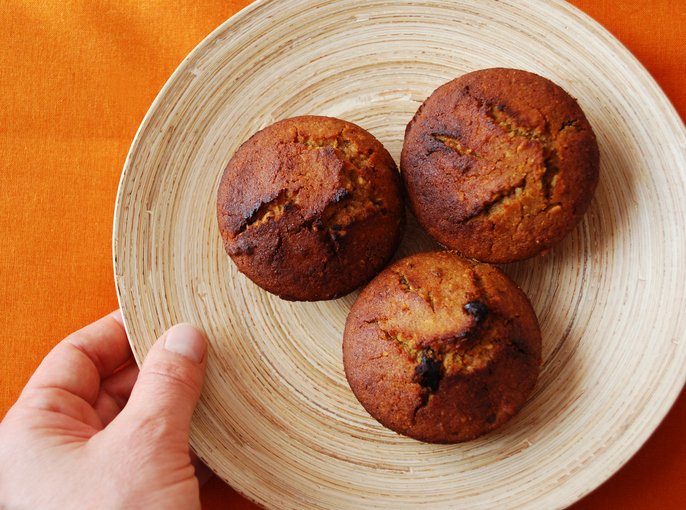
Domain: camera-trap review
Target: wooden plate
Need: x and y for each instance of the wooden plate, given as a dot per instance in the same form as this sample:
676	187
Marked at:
277	419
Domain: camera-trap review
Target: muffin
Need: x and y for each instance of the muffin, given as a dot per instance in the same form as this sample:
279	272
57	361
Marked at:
442	349
499	164
311	208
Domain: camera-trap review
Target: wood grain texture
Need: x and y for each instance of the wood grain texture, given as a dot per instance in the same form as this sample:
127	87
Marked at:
277	419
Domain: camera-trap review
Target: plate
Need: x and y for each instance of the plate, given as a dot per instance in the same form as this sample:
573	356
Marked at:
277	419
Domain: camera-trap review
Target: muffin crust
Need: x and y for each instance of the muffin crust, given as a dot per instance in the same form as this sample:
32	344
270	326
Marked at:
441	348
311	208
499	164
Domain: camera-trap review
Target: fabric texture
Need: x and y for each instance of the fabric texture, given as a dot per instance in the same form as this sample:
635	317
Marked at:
77	78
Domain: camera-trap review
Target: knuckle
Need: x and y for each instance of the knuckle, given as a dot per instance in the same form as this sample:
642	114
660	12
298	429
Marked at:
173	373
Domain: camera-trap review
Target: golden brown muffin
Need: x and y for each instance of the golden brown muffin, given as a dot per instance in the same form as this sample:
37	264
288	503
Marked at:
441	348
499	164
311	208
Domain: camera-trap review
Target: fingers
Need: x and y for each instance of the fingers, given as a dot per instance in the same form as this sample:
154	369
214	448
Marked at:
104	342
169	384
78	363
202	472
115	392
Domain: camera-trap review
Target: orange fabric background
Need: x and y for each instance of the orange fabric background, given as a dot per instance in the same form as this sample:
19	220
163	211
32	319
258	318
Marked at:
77	77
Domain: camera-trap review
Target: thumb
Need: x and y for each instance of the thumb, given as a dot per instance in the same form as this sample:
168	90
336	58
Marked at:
170	381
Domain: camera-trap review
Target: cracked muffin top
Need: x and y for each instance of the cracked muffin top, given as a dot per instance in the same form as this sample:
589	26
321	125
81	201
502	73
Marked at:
441	348
311	208
499	164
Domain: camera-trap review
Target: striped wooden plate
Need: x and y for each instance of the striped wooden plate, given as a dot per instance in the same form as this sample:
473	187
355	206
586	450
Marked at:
277	419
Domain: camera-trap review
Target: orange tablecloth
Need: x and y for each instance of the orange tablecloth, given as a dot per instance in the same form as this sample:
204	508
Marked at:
77	78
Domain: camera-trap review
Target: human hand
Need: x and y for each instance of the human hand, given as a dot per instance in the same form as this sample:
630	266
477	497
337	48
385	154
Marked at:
90	431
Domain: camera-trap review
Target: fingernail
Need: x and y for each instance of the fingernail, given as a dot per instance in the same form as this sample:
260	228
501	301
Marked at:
186	340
